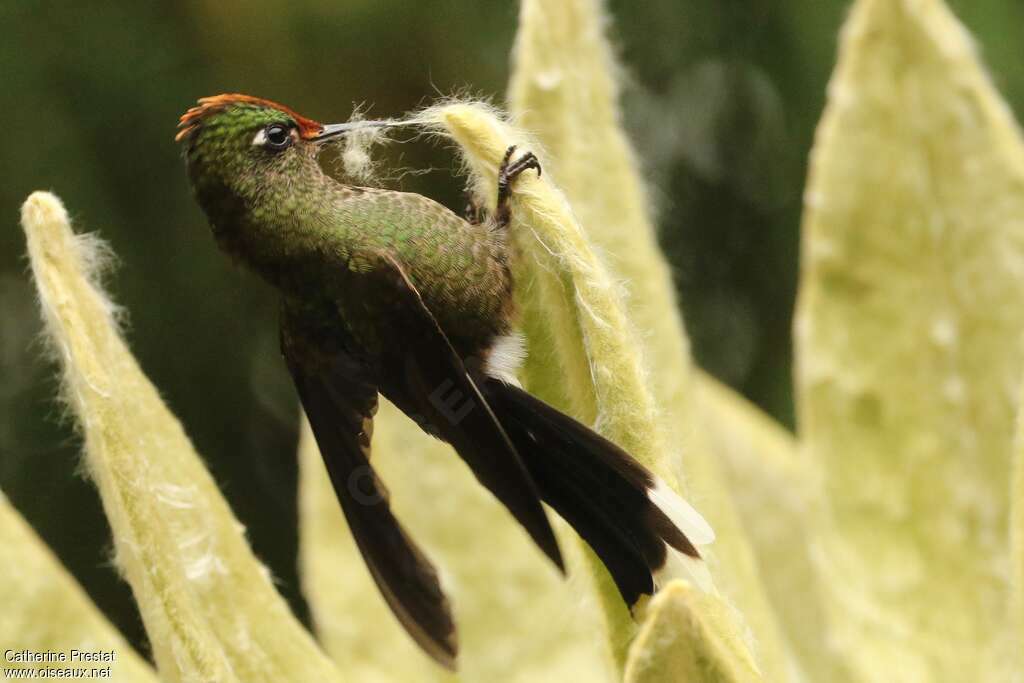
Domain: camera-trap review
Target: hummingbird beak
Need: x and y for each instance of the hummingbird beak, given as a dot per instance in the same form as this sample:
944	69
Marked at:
333	130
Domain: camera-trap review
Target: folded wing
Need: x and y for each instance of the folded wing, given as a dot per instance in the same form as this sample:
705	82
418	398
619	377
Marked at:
429	381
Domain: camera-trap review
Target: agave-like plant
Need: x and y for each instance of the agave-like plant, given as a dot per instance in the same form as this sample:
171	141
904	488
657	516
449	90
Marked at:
885	542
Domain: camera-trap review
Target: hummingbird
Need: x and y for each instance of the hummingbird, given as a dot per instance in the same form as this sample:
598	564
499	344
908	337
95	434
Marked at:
388	293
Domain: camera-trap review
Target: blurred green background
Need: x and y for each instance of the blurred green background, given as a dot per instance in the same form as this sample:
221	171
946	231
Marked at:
721	97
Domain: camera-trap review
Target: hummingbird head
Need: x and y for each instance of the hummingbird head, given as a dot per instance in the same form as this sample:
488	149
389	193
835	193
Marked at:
241	149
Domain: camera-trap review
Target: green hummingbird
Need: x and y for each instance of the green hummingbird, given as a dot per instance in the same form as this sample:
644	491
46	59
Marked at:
390	293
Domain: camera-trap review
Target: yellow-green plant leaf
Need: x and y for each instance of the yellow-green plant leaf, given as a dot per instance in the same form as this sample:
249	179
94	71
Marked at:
595	348
1014	644
209	607
593	332
909	349
45	610
686	636
778	498
561	64
518	619
564	89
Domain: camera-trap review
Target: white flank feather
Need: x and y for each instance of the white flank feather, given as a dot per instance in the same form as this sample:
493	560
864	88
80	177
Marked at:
507	354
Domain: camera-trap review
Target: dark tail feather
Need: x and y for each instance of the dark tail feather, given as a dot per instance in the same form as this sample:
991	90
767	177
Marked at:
625	513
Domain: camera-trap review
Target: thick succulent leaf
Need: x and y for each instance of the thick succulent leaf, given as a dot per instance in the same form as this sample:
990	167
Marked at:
778	498
209	607
909	346
595	348
597	335
1014	636
45	610
565	90
578	290
687	637
517	618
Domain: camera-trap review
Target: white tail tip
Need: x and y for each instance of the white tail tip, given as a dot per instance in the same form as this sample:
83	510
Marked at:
681	513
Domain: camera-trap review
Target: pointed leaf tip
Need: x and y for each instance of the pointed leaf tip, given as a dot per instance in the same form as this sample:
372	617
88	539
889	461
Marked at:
209	607
686	636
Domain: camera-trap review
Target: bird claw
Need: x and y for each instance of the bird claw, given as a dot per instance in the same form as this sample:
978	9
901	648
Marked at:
508	171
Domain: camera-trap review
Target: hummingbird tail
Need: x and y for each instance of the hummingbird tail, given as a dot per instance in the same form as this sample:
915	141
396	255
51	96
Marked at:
642	531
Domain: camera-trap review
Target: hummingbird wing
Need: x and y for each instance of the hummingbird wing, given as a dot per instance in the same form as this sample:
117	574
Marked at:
340	400
439	392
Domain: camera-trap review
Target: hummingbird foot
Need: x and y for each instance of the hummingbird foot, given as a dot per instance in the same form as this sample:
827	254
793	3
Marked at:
507	173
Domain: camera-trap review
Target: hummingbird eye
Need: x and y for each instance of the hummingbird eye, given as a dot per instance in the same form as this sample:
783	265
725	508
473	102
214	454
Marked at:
276	137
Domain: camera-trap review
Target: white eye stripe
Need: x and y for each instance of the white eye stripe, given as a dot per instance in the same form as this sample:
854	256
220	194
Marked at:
260	138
